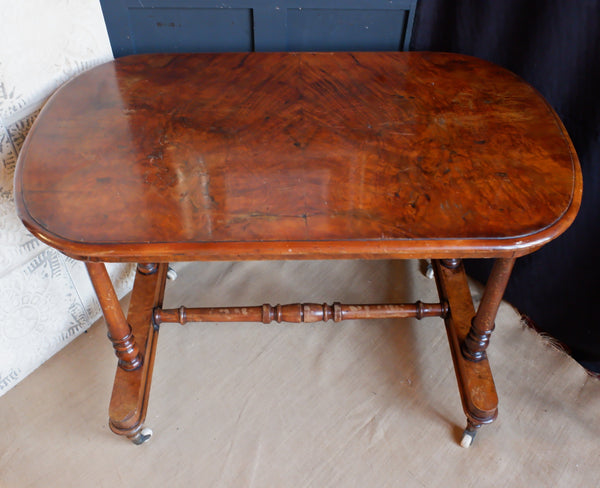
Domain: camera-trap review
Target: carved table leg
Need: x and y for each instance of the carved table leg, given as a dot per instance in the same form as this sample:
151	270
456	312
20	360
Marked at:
474	377
478	338
129	401
119	331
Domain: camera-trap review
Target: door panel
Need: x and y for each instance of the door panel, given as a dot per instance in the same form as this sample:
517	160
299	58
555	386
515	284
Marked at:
345	30
258	25
190	29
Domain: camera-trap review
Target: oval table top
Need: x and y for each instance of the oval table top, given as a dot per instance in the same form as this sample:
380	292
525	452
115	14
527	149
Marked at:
297	155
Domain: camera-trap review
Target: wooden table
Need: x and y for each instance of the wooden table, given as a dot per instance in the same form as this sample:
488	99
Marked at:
159	158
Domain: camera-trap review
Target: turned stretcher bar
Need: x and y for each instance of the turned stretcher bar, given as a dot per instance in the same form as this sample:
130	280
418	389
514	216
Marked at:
300	313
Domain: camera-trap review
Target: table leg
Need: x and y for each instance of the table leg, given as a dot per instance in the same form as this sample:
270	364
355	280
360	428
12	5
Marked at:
119	331
475	381
478	338
129	401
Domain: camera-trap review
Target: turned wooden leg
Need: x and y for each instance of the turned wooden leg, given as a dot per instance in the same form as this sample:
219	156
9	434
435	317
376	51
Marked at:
119	331
478	338
474	378
131	389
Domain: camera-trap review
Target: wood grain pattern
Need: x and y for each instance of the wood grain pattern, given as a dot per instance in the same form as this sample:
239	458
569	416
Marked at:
159	158
119	331
475	382
300	313
285	155
131	389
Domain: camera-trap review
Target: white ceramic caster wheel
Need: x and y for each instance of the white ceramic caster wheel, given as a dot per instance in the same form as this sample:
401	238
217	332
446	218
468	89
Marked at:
467	439
426	268
171	274
142	436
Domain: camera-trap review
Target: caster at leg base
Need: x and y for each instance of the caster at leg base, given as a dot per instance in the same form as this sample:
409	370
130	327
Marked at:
469	434
142	436
426	268
467	439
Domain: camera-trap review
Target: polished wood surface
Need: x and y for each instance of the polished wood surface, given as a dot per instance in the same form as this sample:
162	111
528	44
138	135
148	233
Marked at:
131	389
285	155
300	313
478	338
159	158
475	381
119	331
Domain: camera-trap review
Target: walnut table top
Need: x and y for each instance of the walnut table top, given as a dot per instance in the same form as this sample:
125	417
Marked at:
289	155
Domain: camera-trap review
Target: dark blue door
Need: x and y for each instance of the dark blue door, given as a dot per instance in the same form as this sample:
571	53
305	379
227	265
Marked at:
144	26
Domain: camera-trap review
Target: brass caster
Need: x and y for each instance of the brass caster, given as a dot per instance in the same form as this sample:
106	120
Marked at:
142	436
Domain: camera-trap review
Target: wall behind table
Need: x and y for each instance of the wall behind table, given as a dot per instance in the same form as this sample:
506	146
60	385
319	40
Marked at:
46	299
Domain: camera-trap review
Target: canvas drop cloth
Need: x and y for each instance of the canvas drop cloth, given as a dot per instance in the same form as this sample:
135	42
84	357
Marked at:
354	404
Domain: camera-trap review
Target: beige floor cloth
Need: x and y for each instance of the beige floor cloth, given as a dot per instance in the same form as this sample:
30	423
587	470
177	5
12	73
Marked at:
355	404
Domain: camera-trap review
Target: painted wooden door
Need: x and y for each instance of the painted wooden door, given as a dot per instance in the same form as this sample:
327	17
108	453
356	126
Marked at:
144	26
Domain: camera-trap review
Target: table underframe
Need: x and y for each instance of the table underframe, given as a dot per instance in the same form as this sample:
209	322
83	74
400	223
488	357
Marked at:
134	336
